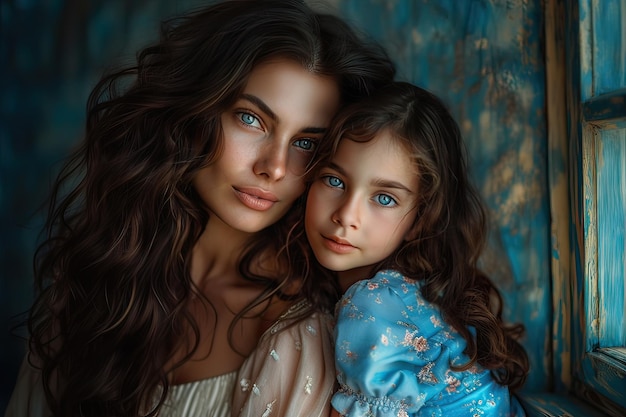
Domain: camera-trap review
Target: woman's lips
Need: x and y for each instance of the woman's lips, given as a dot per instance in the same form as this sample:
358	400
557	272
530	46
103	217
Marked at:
255	198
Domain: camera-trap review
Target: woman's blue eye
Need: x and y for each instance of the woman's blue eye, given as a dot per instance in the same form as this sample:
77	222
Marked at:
306	144
249	119
333	181
385	200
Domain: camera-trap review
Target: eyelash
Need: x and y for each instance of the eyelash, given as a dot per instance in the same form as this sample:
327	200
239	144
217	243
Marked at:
241	113
395	203
312	141
327	178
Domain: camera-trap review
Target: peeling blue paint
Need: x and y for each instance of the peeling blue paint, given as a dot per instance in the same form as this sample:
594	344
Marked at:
485	59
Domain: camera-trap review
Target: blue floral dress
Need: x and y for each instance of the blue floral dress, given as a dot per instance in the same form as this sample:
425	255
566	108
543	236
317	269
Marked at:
393	356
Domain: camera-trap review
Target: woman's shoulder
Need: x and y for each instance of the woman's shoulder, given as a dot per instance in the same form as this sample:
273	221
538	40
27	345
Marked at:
300	318
292	368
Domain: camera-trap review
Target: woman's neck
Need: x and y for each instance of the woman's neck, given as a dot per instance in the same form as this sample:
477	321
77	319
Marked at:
217	251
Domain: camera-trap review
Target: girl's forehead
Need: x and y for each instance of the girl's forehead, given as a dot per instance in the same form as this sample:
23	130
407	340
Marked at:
383	142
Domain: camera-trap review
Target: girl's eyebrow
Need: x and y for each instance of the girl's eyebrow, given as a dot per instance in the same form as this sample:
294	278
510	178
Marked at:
377	182
267	110
384	183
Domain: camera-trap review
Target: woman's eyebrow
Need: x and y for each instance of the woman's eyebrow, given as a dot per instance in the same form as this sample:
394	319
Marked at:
267	110
261	105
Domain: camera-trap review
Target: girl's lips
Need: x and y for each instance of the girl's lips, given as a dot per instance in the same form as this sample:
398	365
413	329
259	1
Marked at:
338	245
255	198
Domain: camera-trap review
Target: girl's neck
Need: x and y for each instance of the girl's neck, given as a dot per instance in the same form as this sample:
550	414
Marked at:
347	278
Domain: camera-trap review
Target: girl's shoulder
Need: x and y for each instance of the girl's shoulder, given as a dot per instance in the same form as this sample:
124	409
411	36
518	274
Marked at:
390	292
390	286
387	281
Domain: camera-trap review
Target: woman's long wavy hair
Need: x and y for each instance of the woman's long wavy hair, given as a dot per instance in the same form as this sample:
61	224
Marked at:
113	271
449	232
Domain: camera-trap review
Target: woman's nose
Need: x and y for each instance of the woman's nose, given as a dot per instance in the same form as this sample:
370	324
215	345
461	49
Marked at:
272	160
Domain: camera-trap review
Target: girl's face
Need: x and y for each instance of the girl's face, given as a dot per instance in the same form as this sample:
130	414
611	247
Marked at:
269	136
361	206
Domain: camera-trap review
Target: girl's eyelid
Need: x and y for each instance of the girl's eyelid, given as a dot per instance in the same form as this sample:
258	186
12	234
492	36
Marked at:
325	178
395	198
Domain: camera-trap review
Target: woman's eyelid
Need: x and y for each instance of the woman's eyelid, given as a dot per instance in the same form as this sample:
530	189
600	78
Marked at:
241	111
314	143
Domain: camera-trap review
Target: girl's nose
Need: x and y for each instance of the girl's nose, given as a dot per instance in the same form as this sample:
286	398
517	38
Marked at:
348	214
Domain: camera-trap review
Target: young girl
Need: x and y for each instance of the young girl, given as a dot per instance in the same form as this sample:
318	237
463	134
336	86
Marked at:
419	329
162	284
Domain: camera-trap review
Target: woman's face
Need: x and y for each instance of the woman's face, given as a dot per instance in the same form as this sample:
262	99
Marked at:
270	134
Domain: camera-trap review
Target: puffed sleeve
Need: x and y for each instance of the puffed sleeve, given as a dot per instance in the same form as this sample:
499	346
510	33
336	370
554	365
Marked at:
391	359
376	365
394	354
28	398
291	372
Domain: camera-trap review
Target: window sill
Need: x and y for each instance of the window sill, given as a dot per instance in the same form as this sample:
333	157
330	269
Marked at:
556	405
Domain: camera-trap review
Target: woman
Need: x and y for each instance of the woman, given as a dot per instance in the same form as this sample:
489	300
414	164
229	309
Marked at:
162	268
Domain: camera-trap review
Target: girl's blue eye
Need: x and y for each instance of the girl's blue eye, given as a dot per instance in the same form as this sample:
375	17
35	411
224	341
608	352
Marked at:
249	119
333	181
306	144
385	200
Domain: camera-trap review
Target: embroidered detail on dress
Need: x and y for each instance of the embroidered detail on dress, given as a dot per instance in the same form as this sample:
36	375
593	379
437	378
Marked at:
255	389
308	385
274	355
419	343
279	324
347	354
244	384
426	374
298	345
268	409
311	330
452	381
405	324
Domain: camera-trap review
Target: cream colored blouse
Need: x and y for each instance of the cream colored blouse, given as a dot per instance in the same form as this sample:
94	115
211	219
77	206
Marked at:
291	373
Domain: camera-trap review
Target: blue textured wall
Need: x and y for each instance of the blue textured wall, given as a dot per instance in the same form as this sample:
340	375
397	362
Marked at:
484	57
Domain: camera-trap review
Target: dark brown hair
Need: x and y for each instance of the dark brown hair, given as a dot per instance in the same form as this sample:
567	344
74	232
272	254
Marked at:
113	271
449	231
